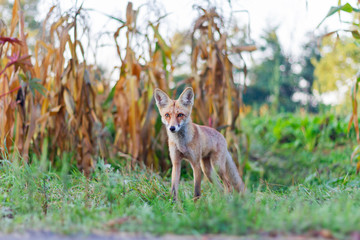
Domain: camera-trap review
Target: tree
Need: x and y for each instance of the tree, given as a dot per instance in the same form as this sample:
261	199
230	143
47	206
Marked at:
273	79
338	64
310	53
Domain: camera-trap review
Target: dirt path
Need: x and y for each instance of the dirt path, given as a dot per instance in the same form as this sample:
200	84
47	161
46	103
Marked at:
129	236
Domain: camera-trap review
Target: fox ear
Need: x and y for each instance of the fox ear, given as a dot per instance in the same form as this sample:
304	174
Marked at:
161	98
187	97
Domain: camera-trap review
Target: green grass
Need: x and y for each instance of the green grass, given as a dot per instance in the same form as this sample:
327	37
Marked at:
290	190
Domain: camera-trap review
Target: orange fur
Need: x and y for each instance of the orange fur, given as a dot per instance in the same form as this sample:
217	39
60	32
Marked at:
204	147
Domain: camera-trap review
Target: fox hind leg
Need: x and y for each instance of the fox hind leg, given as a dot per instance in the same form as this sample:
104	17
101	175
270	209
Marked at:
206	168
224	179
218	162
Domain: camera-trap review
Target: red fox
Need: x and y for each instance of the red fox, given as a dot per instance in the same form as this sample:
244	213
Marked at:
204	147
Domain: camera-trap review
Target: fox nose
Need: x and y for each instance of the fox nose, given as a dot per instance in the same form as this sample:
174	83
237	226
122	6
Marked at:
172	128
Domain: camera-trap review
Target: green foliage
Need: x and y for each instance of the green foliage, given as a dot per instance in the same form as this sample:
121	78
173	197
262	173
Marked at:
338	64
345	8
273	79
310	53
354	63
289	131
300	191
142	200
314	149
33	83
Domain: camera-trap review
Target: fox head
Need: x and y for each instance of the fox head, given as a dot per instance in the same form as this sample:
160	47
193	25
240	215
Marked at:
175	113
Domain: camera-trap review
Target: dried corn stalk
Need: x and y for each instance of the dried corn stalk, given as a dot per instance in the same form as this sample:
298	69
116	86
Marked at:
135	117
218	98
54	98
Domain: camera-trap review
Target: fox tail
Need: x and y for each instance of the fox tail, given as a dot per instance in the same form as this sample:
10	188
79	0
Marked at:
233	175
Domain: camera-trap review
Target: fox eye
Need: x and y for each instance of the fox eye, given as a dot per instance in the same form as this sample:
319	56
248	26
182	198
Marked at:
180	115
167	115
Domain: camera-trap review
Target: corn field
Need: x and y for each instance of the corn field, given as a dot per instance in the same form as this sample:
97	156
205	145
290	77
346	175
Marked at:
53	101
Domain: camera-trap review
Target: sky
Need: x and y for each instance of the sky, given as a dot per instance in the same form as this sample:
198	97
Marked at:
295	18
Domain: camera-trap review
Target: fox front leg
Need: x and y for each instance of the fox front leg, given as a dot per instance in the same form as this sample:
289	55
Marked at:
175	174
197	180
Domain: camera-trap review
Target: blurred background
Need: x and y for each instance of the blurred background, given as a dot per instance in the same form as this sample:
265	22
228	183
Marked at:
83	149
77	78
